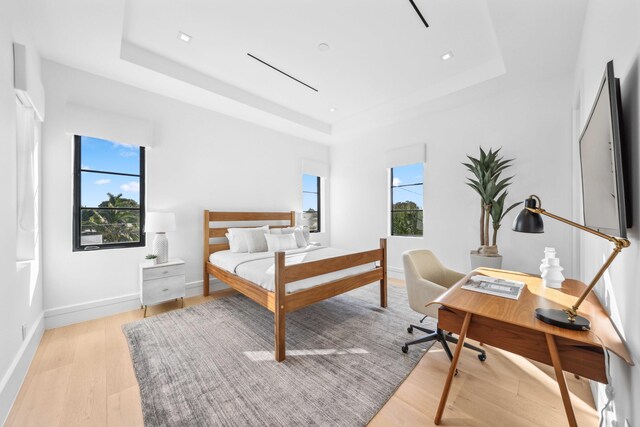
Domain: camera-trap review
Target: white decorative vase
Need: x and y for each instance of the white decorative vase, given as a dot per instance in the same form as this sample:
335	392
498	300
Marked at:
552	276
161	248
548	253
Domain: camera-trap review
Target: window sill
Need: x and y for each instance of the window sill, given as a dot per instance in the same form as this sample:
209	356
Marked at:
405	237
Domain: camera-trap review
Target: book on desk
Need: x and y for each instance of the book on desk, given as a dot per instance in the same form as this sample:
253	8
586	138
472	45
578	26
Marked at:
494	286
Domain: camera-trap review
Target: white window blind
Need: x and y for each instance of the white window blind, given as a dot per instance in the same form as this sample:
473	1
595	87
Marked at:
408	155
87	121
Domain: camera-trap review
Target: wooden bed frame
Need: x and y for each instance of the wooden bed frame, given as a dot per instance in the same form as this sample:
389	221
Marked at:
279	302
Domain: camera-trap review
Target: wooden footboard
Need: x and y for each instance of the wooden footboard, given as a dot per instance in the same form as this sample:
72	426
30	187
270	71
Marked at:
290	302
279	302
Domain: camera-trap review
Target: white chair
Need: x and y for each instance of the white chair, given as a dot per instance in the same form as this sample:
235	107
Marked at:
426	279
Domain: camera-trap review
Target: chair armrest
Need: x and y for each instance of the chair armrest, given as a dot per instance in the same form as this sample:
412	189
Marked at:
452	277
431	288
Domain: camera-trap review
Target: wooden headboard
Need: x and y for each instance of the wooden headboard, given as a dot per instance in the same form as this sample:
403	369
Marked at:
248	220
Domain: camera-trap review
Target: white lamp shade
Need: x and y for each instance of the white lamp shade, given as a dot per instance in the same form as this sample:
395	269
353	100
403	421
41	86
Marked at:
160	222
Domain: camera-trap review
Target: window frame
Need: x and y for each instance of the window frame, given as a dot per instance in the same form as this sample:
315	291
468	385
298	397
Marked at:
391	210
77	201
319	200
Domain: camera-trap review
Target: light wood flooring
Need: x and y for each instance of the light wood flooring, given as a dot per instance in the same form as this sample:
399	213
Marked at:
82	375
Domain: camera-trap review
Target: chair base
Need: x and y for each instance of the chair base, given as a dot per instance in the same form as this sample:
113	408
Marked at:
443	338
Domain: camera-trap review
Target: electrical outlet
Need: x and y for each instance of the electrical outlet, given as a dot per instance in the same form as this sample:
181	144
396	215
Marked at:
24	332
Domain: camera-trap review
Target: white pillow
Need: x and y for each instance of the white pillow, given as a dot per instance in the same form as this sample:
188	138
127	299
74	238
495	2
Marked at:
298	232
306	233
281	242
256	241
237	240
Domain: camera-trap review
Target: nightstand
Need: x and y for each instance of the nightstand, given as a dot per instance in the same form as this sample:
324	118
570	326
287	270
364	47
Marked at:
161	282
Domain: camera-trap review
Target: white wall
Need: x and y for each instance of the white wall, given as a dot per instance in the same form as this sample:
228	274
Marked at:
611	31
532	124
199	160
19	305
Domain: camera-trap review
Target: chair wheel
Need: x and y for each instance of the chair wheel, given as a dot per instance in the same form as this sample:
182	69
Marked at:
482	357
410	329
405	349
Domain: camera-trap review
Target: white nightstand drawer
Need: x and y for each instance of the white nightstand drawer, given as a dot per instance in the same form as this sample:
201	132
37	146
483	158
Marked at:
160	271
159	290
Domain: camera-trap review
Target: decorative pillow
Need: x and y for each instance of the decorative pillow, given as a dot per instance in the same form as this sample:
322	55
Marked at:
280	242
237	240
233	244
256	241
299	235
306	233
298	232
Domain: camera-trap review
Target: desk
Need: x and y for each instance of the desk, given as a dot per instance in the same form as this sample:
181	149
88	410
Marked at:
511	325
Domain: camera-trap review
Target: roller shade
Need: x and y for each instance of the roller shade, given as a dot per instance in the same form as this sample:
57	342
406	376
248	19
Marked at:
26	78
87	121
313	167
408	155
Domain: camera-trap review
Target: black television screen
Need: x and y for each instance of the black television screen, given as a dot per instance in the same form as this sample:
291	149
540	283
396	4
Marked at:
601	161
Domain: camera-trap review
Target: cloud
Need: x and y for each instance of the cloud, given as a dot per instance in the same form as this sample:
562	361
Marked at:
102	182
125	153
396	180
131	187
125	150
85	167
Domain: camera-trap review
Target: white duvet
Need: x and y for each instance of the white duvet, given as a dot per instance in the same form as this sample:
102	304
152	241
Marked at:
259	267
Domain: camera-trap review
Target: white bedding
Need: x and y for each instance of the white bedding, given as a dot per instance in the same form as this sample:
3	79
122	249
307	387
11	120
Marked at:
259	267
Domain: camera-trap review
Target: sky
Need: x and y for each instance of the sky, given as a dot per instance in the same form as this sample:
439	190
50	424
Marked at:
309	201
102	155
410	174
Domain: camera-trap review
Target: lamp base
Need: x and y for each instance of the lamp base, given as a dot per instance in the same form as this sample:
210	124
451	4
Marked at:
161	248
560	318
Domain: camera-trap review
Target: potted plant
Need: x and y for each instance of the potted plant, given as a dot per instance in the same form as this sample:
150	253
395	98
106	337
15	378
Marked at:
486	181
152	258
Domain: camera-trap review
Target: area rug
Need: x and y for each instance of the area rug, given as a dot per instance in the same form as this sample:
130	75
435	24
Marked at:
212	364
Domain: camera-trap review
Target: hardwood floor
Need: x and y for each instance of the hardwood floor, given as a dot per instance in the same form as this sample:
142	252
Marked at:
82	375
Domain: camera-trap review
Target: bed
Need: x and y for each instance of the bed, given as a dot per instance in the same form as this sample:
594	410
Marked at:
284	282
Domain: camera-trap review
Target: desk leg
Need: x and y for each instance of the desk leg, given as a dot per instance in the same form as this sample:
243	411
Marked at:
564	391
452	368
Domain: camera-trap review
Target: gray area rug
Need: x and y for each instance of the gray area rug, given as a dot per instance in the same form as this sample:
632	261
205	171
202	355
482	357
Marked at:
212	364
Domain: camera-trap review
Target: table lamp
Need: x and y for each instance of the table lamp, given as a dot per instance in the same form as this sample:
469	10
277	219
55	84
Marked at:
529	220
160	223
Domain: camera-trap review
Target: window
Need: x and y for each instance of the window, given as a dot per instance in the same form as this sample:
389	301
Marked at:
108	187
407	198
311	202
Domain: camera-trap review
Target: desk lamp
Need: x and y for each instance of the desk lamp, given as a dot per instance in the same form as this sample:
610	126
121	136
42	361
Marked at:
529	220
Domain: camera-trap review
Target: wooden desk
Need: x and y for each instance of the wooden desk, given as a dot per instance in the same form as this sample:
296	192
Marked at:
511	325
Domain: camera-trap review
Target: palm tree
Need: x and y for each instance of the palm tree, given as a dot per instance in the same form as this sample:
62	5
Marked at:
112	222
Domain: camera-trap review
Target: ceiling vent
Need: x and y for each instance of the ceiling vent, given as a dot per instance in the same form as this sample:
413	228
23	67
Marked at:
415	7
282	72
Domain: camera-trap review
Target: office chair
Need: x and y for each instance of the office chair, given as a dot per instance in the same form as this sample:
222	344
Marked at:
426	279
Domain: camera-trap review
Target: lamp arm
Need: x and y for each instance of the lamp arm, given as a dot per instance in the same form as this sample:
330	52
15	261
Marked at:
619	245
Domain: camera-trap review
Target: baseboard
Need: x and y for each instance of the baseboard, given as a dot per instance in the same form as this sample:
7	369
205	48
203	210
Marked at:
395	272
13	379
76	313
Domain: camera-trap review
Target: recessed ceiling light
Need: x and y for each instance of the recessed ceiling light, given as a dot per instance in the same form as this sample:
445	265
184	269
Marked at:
447	56
323	47
333	110
184	37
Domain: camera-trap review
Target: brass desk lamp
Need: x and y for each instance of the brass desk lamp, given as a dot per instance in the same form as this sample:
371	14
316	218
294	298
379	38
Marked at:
529	220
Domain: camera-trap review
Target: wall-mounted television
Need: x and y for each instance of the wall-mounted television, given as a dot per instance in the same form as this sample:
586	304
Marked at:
605	206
